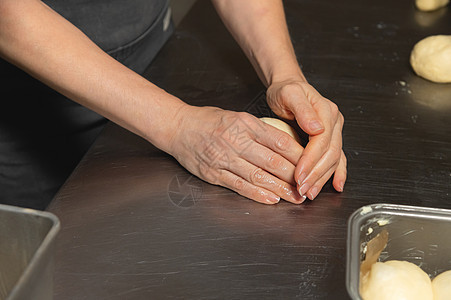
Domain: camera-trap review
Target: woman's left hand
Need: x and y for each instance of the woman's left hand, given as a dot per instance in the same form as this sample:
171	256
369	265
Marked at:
323	122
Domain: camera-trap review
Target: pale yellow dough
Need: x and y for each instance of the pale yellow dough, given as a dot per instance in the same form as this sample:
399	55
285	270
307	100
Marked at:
279	124
429	5
398	280
431	58
441	285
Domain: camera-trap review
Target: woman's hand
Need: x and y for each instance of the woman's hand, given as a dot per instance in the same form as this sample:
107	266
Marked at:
323	122
238	151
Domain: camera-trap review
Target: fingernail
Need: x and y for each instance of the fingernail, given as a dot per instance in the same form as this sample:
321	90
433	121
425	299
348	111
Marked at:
304	188
299	199
340	187
301	178
313	193
315	126
272	199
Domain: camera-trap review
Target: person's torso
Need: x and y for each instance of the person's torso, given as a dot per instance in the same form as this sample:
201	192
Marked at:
111	23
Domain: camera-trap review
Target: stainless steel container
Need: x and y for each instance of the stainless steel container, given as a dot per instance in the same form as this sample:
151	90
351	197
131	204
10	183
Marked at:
416	234
26	253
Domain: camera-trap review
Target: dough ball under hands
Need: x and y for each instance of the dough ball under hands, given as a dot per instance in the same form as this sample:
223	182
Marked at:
281	125
393	279
431	58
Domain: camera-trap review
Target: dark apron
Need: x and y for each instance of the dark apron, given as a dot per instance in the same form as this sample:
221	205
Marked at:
43	135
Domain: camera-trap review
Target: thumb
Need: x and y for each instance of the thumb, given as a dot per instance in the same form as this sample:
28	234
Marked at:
306	117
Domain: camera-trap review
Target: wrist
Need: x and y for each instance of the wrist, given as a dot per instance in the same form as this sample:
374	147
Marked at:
285	73
162	121
287	77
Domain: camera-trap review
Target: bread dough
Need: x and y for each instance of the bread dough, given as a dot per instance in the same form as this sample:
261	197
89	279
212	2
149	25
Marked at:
431	58
441	286
429	5
279	124
396	279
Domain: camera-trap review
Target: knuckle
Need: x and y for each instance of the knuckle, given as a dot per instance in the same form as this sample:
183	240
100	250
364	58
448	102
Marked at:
334	153
256	176
304	110
283	142
336	150
292	92
274	161
324	144
218	130
245	117
242	115
334	109
209	174
342	120
239	184
336	156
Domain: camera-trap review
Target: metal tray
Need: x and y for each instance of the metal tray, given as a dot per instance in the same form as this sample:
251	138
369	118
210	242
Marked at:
416	234
26	253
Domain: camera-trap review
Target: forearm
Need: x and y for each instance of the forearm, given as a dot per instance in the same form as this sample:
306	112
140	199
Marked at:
54	51
259	26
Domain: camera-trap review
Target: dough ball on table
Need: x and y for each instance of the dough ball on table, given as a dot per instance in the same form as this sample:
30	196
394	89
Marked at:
279	124
431	58
441	285
429	5
397	280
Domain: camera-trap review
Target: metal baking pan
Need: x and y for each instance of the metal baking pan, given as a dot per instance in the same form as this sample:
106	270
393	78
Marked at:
419	235
26	253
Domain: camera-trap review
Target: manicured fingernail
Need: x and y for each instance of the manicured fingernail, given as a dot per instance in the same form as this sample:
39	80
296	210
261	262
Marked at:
301	178
313	193
340	187
315	126
272	199
304	188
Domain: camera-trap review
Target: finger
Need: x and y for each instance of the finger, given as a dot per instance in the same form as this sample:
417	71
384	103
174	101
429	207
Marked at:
279	142
340	174
315	149
260	178
246	129
246	189
257	154
317	146
319	176
311	188
338	185
271	162
306	115
327	162
318	185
